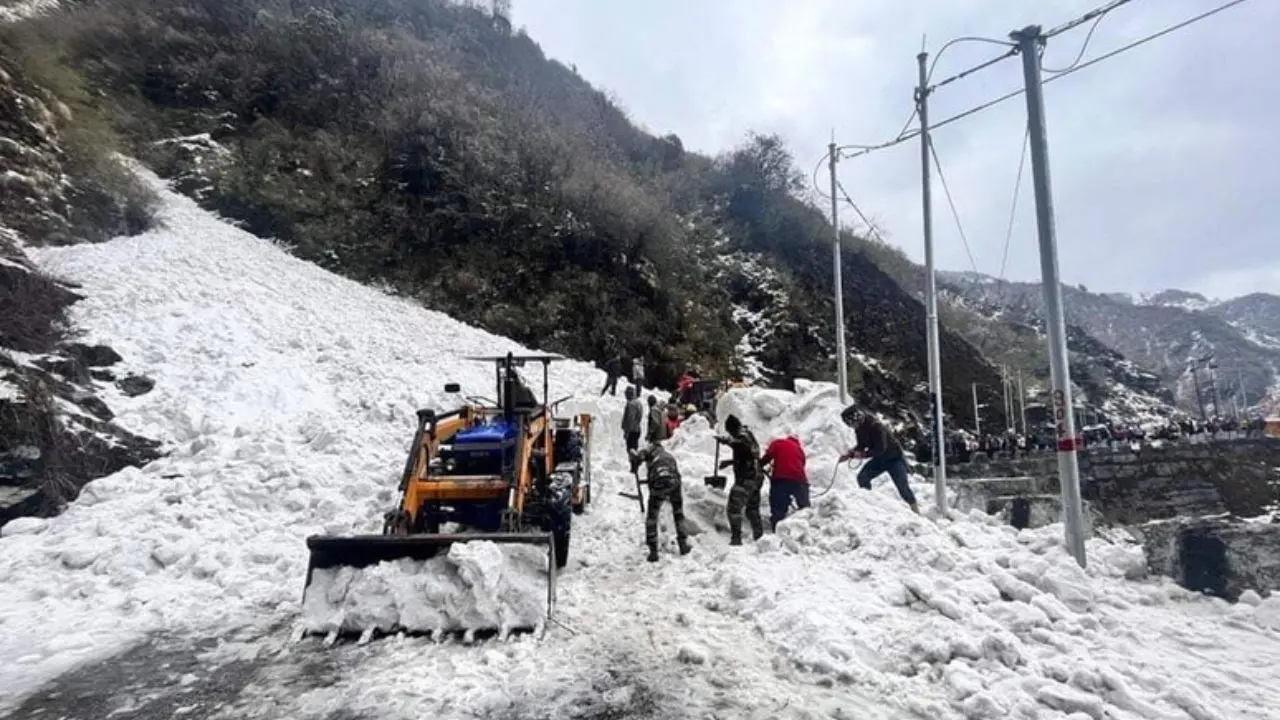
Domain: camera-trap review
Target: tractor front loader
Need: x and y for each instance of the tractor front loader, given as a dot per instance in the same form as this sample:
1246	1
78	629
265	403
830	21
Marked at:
508	473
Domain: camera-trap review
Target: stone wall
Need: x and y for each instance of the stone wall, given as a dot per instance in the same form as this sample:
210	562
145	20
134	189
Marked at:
1240	477
1221	556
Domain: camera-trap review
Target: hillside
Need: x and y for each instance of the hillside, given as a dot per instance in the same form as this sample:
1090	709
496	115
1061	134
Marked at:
425	147
1170	333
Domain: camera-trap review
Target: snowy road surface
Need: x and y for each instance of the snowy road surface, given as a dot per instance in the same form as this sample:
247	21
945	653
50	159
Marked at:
286	396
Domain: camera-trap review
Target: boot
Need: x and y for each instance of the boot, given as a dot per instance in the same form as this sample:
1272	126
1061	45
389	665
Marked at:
653	553
685	549
915	508
735	539
757	534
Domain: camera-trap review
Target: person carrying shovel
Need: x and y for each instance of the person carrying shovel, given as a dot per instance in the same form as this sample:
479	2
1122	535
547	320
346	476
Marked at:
663	478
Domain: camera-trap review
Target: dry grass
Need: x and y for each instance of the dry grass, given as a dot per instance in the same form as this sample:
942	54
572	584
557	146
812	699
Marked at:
33	307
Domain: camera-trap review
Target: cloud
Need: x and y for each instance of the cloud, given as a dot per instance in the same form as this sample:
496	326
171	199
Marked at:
1162	160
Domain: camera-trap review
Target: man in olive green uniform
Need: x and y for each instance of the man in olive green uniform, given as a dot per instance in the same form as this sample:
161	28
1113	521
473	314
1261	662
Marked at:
664	485
744	496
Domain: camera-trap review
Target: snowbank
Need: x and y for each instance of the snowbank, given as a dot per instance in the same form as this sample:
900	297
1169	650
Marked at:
476	585
285	396
969	618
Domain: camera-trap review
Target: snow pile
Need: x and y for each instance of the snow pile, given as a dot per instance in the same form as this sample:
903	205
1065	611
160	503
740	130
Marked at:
475	585
285	397
969	618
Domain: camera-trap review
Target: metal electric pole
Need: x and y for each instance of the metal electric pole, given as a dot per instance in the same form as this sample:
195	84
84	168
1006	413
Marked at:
1029	41
842	367
931	296
1022	403
977	421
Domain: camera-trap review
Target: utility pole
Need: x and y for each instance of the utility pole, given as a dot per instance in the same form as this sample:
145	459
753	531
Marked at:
842	367
1195	381
1022	403
1009	401
931	296
1029	41
1213	384
1244	394
977	421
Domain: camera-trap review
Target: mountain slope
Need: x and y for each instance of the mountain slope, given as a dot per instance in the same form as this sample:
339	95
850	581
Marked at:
1163	335
422	145
286	396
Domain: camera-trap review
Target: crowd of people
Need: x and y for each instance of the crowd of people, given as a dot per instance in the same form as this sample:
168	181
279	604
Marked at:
782	463
962	446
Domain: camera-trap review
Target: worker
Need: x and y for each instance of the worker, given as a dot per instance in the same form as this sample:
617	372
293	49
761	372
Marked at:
612	369
684	386
744	496
522	398
657	424
882	450
663	477
633	423
788	479
673	418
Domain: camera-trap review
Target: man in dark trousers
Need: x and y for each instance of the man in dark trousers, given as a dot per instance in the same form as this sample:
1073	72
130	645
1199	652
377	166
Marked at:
656	426
788	480
612	369
883	451
744	496
663	477
633	423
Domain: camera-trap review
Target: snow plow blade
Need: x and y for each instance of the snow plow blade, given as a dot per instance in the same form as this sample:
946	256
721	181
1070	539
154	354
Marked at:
328	552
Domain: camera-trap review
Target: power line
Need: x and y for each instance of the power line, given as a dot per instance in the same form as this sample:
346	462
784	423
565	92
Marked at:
1148	38
870	226
976	68
1080	55
1096	13
867	149
951	202
1013	209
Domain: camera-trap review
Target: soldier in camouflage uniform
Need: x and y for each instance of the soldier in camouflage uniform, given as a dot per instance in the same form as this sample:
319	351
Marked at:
744	496
663	479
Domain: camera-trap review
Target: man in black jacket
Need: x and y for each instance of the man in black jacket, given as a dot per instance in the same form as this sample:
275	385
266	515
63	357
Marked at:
882	450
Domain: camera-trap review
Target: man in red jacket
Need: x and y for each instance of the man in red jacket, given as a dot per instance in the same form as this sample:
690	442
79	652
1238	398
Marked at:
788	477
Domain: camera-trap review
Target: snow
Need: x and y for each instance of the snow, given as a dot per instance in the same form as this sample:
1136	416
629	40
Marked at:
477	585
25	9
286	397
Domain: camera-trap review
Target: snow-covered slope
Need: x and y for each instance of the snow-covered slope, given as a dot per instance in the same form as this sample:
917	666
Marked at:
286	395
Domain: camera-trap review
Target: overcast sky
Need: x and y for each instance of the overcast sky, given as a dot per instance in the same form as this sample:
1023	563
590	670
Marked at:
1164	159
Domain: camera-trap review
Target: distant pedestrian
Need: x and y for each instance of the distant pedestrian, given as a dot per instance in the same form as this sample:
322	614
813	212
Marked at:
657	422
637	372
788	480
882	450
633	423
612	369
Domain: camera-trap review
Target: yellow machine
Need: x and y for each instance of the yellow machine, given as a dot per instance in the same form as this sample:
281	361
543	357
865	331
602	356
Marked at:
508	471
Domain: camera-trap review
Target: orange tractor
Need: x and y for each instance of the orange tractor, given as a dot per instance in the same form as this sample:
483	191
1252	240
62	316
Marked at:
508	472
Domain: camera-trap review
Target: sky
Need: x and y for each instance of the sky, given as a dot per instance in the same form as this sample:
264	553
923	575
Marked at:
1163	159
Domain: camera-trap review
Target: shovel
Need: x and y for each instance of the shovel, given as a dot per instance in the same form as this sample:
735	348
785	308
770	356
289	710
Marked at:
716	481
637	496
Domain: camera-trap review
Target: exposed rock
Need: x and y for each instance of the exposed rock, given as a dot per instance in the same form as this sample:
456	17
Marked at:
93	356
135	385
70	369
